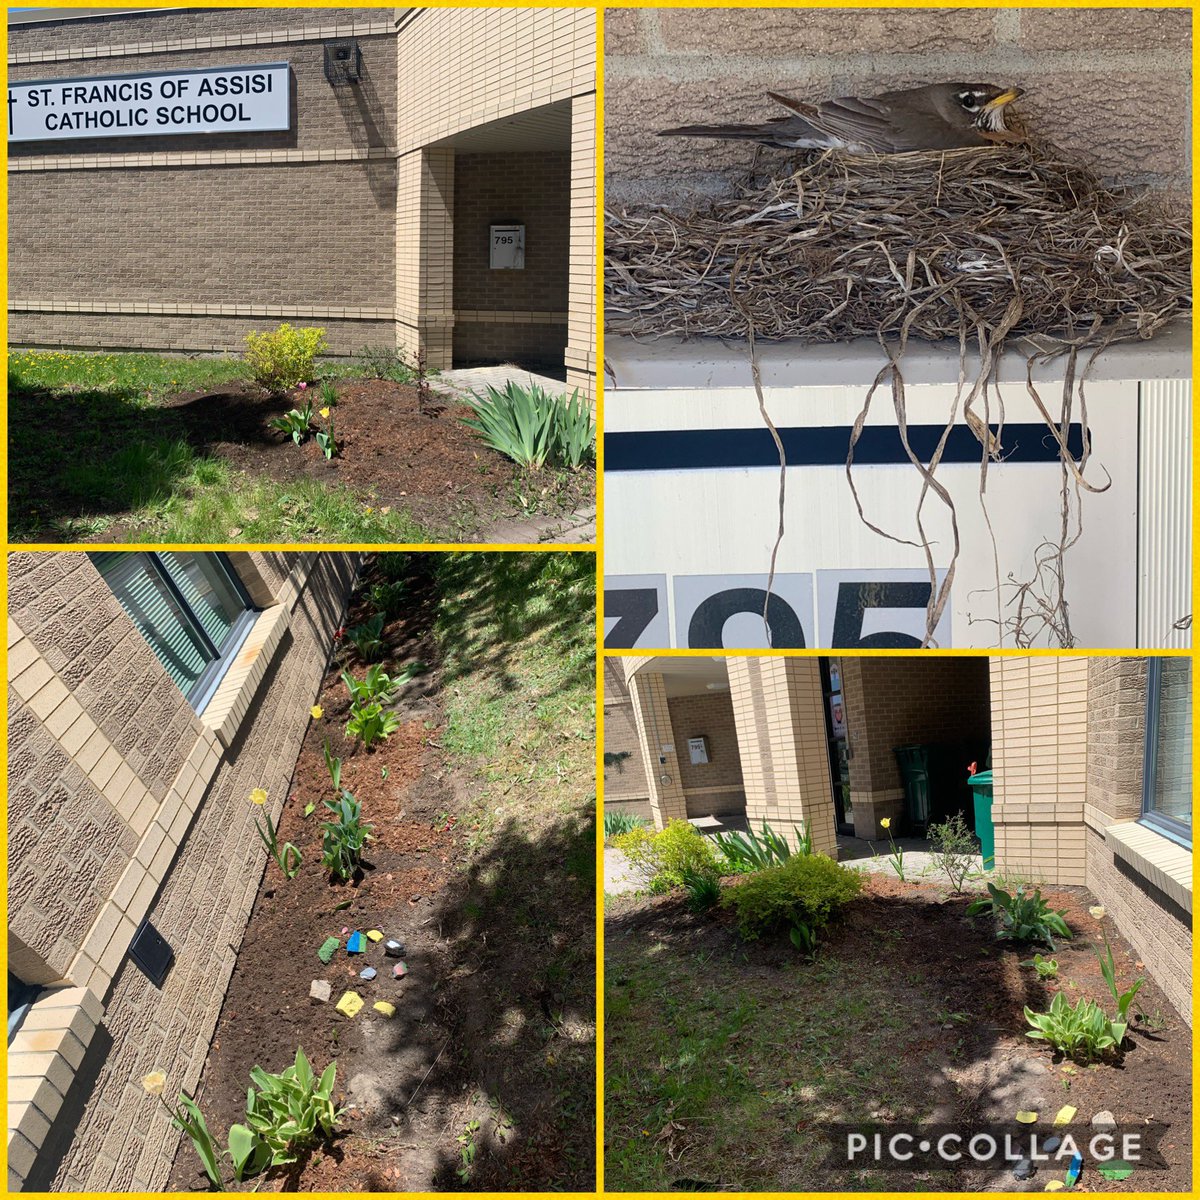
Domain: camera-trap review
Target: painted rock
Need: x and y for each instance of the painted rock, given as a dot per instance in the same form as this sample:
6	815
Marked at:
357	943
350	1004
1051	1144
375	935
393	948
382	1006
1104	1120
367	973
1024	1169
400	970
328	949
320	989
1074	1170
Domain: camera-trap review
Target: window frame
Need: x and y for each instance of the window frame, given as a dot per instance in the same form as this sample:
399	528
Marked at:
1171	828
220	658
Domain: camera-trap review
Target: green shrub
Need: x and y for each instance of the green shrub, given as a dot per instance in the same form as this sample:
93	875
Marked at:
1023	917
290	1110
367	638
746	852
284	358
663	858
532	426
954	849
703	890
384	362
805	891
618	822
1083	1031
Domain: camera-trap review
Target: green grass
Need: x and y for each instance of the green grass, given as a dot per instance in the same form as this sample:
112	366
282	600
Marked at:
715	1072
133	378
84	456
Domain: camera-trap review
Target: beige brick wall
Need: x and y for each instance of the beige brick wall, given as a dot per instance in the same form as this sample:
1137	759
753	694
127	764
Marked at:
895	702
194	869
668	67
652	719
779	710
1040	753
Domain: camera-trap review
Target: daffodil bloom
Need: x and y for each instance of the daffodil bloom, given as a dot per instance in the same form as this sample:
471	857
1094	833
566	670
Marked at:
886	822
258	796
154	1083
317	712
325	413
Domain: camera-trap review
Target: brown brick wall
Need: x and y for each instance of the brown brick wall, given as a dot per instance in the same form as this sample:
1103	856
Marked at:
668	67
533	189
712	717
895	702
109	1135
624	780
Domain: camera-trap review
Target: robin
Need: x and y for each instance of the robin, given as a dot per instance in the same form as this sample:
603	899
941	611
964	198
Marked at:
939	116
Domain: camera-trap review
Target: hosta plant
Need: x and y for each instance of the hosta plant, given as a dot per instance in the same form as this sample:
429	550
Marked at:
291	1110
297	423
1024	916
1083	1031
377	684
1046	968
370	723
343	839
367	638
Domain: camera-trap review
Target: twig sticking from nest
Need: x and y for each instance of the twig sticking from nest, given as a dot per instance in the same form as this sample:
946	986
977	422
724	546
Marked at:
984	246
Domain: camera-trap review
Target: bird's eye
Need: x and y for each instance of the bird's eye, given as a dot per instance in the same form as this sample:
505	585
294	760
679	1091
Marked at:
968	100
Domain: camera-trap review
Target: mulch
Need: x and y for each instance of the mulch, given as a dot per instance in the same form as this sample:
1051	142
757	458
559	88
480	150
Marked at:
918	931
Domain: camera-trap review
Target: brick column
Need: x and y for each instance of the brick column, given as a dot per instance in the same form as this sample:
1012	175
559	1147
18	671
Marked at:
1039	765
649	695
425	256
779	711
580	356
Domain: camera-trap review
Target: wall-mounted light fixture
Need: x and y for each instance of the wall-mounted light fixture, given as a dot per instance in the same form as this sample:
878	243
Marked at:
343	62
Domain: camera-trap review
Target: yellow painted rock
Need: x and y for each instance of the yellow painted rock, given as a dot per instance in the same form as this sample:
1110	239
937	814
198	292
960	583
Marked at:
1065	1115
350	1004
1055	1185
382	1006
1027	1118
375	935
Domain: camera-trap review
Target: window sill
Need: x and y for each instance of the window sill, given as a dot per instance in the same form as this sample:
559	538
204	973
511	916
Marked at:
230	703
1161	861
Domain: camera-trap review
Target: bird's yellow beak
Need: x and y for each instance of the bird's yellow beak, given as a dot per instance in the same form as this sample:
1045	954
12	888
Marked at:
1003	99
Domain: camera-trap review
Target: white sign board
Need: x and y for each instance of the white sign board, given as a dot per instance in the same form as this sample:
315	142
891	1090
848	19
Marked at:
691	511
253	99
507	248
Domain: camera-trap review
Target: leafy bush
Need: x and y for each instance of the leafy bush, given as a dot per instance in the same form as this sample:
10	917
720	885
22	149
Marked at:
746	852
954	849
1023	917
1083	1031
532	426
289	1111
370	724
367	638
663	857
805	892
343	839
618	822
284	358
703	889
377	684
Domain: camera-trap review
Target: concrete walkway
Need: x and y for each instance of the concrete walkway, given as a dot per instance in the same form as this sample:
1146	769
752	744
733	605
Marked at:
462	382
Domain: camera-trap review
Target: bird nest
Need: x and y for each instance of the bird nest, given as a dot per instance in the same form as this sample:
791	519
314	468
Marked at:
981	246
929	244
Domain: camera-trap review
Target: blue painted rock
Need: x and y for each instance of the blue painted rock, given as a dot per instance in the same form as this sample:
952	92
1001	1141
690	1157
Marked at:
367	973
357	943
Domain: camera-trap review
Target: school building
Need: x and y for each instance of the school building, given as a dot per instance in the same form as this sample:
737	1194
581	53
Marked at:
423	178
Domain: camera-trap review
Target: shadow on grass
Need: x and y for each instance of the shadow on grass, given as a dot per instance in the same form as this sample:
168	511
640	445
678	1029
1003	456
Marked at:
517	1013
492	603
94	453
722	1056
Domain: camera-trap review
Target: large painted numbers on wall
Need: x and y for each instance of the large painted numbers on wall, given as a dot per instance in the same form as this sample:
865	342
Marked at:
635	612
877	610
713	612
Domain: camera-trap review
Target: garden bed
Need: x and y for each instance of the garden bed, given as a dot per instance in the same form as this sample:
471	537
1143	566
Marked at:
100	459
489	882
722	1056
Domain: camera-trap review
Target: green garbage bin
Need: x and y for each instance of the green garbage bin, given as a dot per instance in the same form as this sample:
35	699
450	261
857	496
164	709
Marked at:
985	831
914	774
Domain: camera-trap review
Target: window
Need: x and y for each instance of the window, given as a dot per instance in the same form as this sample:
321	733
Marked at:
1167	778
191	608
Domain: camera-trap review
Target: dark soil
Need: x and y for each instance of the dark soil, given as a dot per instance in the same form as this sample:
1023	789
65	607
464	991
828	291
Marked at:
390	451
412	1082
933	961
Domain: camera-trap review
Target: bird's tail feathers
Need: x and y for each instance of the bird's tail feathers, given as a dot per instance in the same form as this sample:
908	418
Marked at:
737	132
